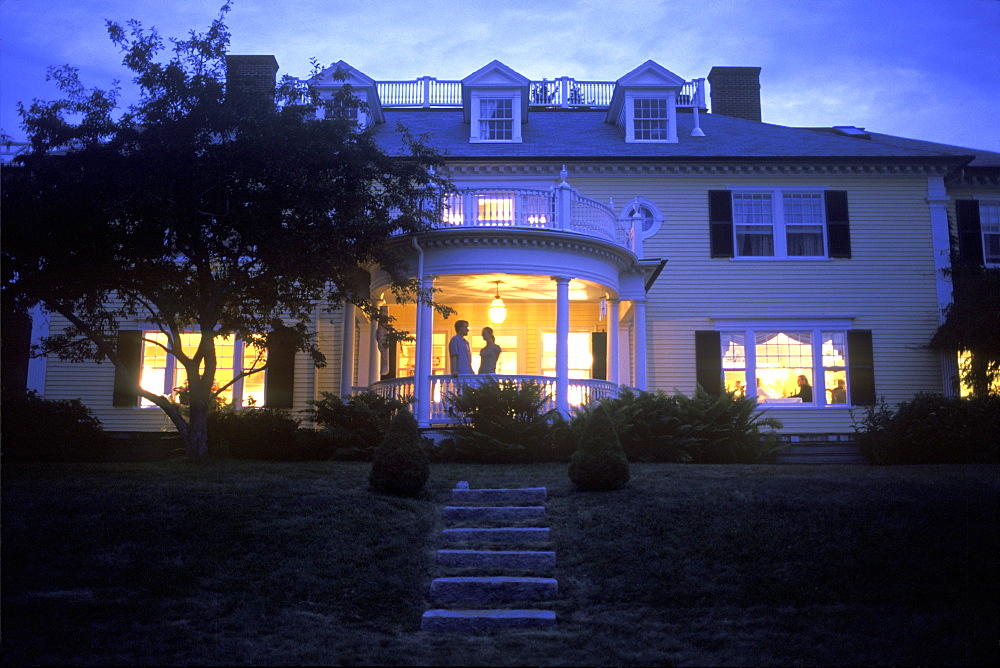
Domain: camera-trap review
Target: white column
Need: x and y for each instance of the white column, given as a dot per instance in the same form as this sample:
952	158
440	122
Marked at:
613	333
562	344
347	351
639	343
422	363
374	361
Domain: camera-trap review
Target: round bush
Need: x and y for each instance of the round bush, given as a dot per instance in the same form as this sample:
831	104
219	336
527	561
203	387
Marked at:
400	466
600	463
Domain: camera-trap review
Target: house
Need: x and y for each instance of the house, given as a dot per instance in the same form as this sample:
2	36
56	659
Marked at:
642	233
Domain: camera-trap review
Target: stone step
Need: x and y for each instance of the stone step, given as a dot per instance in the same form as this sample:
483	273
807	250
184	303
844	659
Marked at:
493	589
496	559
477	620
496	513
500	535
523	495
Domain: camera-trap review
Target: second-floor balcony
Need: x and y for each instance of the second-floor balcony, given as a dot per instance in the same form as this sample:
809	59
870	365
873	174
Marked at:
560	209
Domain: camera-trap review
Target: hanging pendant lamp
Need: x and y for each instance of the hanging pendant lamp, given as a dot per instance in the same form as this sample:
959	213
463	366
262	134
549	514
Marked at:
498	312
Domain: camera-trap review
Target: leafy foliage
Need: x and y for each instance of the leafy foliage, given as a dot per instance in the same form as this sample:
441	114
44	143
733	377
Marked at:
37	429
253	433
931	428
502	420
400	466
600	463
657	427
354	426
201	208
971	325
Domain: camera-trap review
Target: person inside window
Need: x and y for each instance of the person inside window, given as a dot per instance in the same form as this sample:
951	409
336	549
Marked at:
805	392
459	351
838	395
490	353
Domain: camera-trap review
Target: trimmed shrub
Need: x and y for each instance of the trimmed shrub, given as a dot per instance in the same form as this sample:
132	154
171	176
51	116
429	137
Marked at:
400	465
37	429
503	421
253	433
931	428
354	427
600	463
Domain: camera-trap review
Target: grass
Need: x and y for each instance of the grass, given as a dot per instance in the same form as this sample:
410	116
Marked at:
260	563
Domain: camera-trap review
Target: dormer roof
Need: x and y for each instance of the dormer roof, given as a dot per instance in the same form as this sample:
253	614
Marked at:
648	77
496	76
328	80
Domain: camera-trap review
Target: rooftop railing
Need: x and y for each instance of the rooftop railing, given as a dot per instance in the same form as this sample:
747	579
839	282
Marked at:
564	92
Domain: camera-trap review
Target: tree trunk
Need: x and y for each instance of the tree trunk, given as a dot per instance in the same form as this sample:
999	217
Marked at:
196	442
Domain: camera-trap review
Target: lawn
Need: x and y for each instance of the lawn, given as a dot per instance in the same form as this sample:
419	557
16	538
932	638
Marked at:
236	563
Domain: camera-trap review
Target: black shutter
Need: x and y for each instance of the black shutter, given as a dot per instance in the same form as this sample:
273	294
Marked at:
280	373
860	367
838	226
720	222
127	379
708	361
599	350
970	234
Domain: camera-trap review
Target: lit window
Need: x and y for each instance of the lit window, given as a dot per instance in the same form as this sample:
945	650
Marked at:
649	118
161	374
989	221
581	359
496	119
786	367
777	224
496	209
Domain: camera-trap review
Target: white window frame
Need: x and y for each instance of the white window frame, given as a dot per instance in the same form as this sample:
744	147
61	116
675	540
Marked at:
627	116
477	134
779	224
820	366
989	216
170	372
655	219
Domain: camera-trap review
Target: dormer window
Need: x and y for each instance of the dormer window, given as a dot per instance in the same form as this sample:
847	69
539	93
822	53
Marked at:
649	119
495	104
496	119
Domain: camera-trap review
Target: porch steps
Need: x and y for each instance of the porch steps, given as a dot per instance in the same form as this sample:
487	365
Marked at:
496	570
831	452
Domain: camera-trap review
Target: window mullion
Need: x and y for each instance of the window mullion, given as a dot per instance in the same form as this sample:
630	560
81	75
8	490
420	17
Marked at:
819	371
750	359
778	229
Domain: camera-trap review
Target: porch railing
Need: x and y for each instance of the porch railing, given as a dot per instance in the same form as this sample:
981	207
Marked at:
560	208
582	391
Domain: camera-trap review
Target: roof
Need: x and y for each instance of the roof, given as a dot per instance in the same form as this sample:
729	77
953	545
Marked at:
982	158
581	134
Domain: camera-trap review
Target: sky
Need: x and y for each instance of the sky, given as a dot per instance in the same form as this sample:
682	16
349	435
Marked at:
924	69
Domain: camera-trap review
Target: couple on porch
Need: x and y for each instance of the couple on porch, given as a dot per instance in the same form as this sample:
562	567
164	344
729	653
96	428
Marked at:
460	353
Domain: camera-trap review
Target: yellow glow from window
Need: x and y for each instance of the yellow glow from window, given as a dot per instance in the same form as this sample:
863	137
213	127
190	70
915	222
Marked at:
581	360
496	209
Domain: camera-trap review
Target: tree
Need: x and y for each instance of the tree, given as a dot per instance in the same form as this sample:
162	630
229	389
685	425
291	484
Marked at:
201	209
972	324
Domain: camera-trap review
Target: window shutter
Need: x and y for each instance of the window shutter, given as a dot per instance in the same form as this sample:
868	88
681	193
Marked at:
280	373
708	360
720	222
838	227
860	367
970	234
599	350
129	351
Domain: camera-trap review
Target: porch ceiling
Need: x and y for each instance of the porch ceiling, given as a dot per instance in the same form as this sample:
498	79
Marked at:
513	288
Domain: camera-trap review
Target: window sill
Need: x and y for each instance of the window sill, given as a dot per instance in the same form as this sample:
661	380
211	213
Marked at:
770	258
495	141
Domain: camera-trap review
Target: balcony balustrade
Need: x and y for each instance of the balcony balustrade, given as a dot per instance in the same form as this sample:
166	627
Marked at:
582	391
560	208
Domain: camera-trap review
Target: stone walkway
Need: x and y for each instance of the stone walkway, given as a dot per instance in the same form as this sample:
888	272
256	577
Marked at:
499	564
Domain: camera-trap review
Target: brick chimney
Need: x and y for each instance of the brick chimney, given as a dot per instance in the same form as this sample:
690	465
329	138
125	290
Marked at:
251	80
735	92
